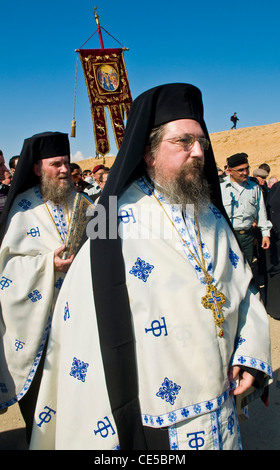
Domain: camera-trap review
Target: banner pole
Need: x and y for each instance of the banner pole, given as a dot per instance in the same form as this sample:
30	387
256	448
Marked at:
98	28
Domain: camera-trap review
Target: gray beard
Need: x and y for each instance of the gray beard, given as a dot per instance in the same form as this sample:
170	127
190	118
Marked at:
189	188
58	195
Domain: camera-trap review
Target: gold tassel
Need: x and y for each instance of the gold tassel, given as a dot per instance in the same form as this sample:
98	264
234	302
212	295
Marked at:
73	129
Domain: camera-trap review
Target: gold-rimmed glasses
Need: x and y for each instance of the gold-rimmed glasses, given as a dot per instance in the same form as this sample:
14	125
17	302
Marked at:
187	142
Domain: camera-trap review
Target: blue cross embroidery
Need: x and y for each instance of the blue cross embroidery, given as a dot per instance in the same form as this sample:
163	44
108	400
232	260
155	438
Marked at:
79	369
185	412
197	409
24	204
35	296
141	269
159	421
240	340
242	360
209	405
168	391
233	258
172	417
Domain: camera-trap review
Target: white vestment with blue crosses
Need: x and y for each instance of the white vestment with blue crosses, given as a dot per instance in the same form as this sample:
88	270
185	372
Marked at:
28	288
182	363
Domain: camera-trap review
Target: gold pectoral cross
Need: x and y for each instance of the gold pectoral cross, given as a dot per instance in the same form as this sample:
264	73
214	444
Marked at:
214	300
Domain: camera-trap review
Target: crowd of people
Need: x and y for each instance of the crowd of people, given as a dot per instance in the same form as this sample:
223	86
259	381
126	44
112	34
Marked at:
149	337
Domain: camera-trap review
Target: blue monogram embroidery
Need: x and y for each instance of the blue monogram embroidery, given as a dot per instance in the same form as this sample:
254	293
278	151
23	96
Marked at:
125	215
103	428
45	416
141	269
79	369
19	344
66	312
233	258
168	391
197	441
34	231
5	282
156	328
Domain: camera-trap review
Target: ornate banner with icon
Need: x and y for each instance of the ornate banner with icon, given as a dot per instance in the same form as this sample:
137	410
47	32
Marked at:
108	86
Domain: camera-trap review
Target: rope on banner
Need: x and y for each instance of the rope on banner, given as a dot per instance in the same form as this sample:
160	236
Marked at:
73	126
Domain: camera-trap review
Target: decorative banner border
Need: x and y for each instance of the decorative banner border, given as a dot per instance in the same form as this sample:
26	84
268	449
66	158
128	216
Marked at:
108	86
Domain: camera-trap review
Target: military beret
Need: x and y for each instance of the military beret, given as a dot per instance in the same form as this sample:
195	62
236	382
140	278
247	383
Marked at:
237	159
98	167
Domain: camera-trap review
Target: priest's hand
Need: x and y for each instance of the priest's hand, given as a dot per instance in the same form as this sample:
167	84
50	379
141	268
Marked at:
62	265
245	380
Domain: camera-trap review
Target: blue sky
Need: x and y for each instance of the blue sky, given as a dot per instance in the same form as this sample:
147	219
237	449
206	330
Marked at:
230	50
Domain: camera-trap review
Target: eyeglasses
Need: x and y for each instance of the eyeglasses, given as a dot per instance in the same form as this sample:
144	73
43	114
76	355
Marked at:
187	142
242	170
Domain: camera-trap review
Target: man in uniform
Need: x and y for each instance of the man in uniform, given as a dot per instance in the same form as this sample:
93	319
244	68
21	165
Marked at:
163	328
244	203
33	237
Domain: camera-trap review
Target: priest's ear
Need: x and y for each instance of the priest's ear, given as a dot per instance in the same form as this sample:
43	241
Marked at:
37	168
148	157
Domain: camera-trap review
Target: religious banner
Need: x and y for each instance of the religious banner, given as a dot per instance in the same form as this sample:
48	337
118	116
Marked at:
107	85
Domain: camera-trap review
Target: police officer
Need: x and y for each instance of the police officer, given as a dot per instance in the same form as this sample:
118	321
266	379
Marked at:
244	204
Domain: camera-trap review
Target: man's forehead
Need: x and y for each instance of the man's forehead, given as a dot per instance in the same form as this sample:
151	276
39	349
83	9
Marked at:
55	159
186	126
239	167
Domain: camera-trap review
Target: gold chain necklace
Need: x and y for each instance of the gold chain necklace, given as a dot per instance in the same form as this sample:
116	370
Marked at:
213	298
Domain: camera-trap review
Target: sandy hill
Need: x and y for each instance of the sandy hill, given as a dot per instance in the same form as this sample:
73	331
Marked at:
261	143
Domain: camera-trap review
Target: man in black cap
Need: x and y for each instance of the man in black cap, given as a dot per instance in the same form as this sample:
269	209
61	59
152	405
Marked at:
35	227
244	203
154	340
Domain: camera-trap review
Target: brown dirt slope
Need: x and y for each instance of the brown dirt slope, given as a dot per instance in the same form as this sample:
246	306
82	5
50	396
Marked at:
261	143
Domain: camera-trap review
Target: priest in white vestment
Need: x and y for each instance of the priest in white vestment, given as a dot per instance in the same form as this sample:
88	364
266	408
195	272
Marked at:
158	328
34	233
